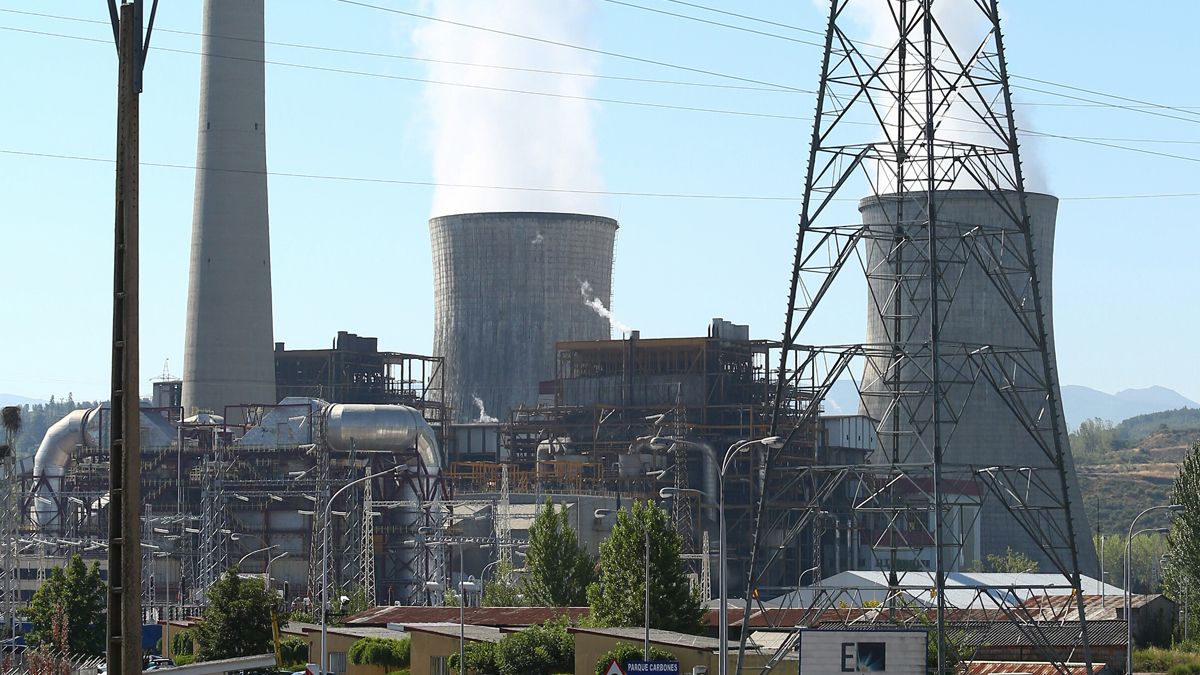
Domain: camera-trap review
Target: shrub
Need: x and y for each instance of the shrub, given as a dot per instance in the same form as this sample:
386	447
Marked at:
537	650
184	659
182	643
1159	660
294	650
481	659
385	652
624	652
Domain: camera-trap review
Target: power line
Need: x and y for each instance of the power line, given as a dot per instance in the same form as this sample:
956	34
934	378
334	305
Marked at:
864	43
405	57
1106	142
422	80
714	23
610	193
567	45
1139	106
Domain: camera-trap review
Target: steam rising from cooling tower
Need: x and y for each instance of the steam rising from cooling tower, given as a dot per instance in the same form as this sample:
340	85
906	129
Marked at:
962	24
486	137
228	357
506	288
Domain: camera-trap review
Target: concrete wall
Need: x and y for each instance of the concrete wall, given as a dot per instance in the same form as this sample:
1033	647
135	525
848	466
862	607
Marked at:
507	286
427	646
987	432
229	345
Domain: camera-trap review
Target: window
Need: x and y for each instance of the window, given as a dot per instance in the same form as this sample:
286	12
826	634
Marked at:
337	662
438	666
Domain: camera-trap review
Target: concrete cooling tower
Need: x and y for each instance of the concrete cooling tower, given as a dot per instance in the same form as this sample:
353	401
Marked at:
507	286
228	350
987	433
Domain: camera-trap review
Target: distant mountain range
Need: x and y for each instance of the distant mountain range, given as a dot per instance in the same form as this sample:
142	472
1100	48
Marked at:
1084	403
1079	403
13	399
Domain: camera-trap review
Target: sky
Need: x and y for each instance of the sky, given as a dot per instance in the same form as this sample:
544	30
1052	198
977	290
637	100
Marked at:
356	142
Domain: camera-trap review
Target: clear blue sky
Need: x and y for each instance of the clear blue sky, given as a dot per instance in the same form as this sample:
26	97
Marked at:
355	255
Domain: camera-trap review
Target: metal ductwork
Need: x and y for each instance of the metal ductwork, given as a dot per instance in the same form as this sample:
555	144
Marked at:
381	427
50	461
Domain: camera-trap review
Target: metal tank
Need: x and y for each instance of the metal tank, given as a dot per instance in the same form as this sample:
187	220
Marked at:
228	344
507	286
979	429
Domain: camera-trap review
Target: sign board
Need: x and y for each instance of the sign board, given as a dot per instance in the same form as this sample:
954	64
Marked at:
652	668
896	651
614	668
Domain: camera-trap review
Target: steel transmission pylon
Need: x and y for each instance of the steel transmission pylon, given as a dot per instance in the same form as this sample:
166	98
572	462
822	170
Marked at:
957	373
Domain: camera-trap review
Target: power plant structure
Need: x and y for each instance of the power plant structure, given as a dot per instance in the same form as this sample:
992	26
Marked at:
228	337
507	286
956	374
399	469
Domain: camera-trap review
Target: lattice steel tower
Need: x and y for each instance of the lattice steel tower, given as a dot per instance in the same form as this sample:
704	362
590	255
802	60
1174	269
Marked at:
958	370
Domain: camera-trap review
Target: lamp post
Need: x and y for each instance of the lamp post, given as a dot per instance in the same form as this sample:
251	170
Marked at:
773	442
257	550
464	586
1129	583
325	562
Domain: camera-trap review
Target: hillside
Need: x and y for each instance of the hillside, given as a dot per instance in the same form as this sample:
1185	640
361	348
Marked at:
1130	466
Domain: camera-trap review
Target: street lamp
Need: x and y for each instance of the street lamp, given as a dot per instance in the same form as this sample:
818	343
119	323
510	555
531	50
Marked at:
774	443
325	562
1129	583
257	550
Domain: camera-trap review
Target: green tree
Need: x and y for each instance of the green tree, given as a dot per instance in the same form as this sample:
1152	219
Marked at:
237	620
1145	559
624	652
75	596
1183	577
386	652
502	590
616	598
1010	561
560	568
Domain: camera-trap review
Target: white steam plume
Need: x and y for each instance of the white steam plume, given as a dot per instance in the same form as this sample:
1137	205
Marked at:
597	305
488	137
966	27
483	416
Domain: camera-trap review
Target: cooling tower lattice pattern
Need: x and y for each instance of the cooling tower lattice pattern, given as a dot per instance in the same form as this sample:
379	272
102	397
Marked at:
507	286
978	427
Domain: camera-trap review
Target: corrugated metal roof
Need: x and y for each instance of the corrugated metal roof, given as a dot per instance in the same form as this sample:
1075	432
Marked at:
1024	667
479	616
469	632
662	637
1095	607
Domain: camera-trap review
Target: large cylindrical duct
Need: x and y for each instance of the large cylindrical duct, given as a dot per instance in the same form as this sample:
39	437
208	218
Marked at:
979	429
507	286
228	344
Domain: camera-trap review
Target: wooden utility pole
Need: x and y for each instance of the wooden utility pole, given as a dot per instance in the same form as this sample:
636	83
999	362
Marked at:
124	632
